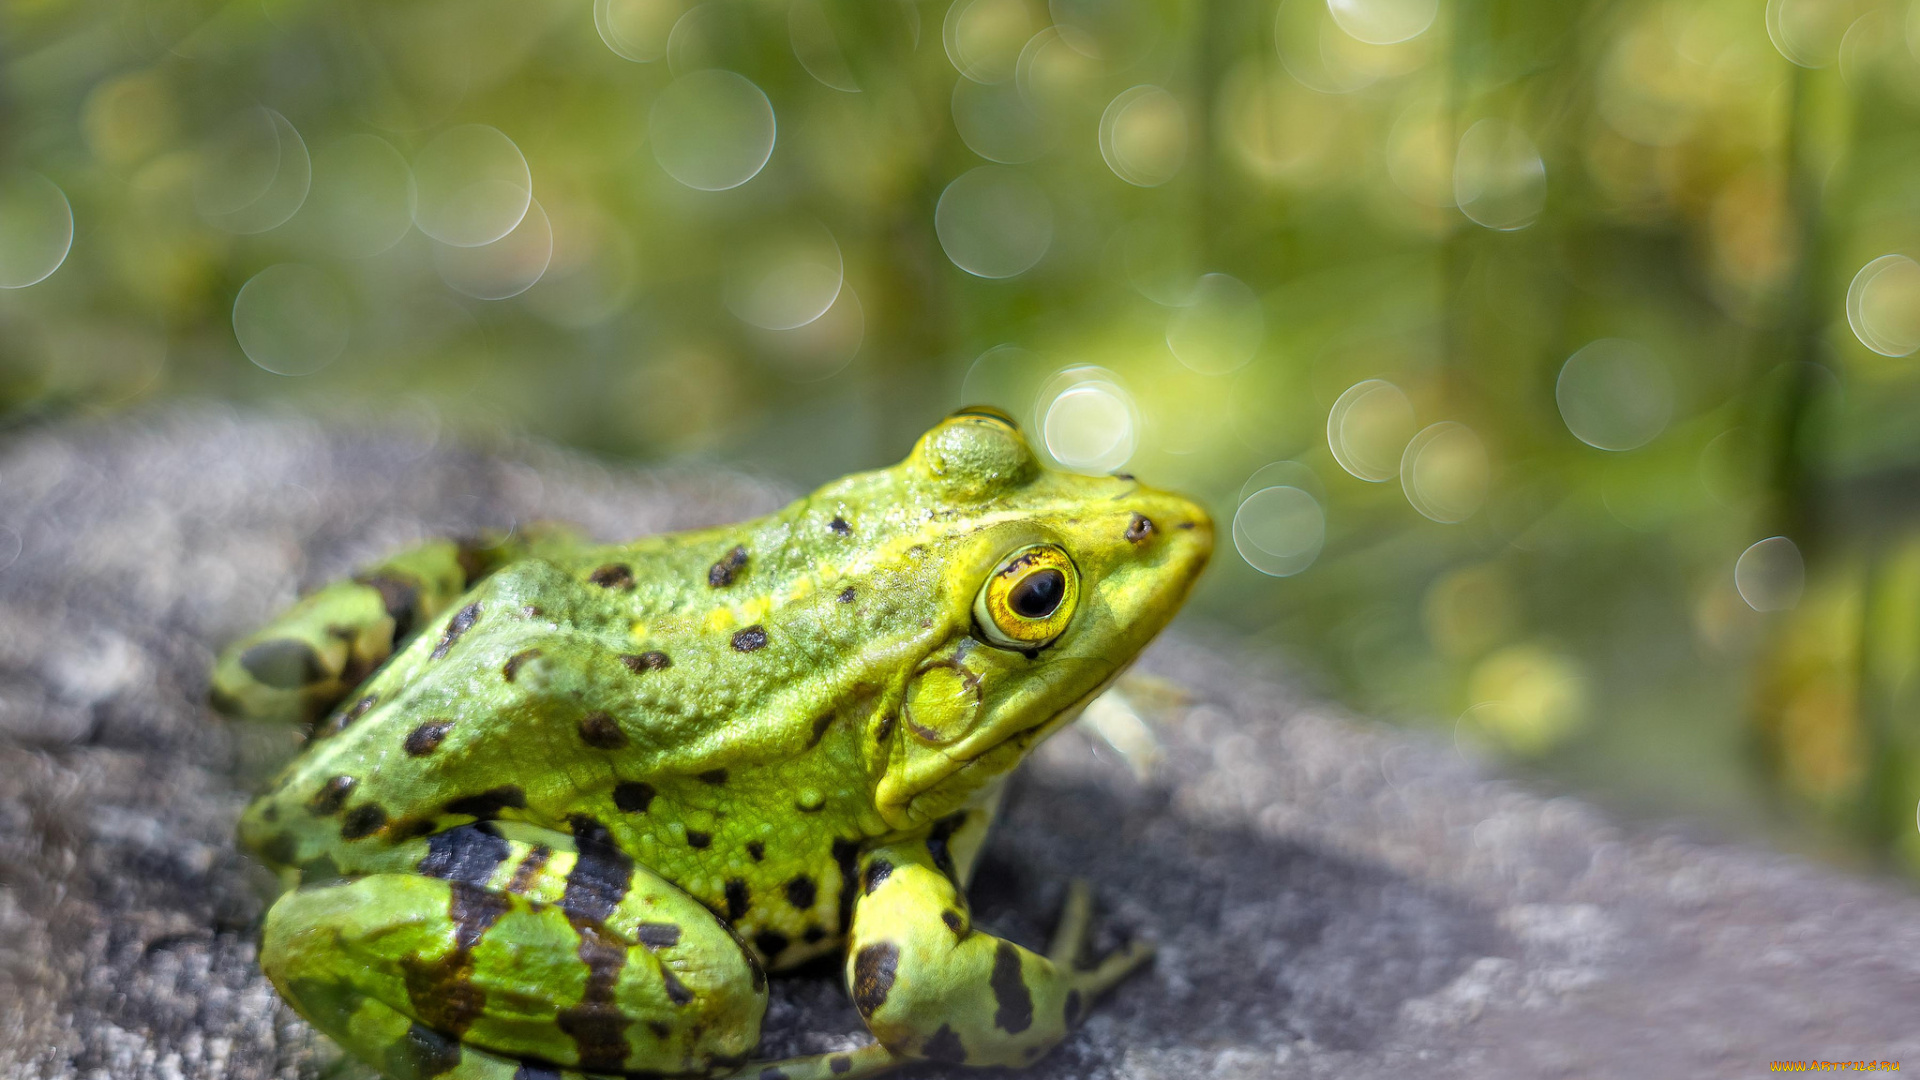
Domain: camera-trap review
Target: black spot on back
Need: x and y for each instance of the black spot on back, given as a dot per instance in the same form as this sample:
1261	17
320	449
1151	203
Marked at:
757	850
874	967
473	910
839	525
512	666
721	574
944	1045
1014	1002
839	1063
283	663
954	922
802	892
332	796
657	935
426	738
877	872
750	639
363	821
461	622
714	776
353	712
530	1071
633	796
738	900
771	943
601	872
677	991
600	730
613	576
486	805
468	853
698	839
640	663
814	935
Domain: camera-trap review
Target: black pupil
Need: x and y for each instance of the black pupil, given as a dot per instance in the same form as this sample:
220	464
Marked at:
1038	594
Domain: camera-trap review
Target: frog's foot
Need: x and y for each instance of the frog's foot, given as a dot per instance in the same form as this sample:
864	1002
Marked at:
932	986
422	977
1070	939
867	1060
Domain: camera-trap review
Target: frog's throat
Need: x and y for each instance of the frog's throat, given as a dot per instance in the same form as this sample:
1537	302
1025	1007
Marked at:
907	803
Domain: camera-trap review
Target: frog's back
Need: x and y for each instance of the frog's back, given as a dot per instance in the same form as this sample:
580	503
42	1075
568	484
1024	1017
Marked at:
599	689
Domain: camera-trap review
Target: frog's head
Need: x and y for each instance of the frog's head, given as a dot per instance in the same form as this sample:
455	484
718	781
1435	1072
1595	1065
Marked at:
1037	587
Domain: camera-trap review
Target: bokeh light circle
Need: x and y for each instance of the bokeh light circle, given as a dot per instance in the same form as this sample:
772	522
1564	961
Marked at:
473	186
983	38
1384	22
594	271
788	280
636	29
817	46
1445	472
1615	394
1368	428
255	174
505	268
292	319
1279	530
822	347
363	196
1883	305
36	229
1143	136
1809	32
1527	698
1006	377
1088	421
1771	574
994	222
995	121
712	129
1499	180
1219	329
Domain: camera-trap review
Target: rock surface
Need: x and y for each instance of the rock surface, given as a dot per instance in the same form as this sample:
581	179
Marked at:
1330	898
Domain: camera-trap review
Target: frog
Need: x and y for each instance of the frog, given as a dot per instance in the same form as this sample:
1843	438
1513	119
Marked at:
563	805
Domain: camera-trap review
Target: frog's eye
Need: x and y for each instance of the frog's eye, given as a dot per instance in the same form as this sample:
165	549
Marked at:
1029	599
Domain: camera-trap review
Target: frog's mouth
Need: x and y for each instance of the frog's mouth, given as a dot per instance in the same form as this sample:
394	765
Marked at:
936	782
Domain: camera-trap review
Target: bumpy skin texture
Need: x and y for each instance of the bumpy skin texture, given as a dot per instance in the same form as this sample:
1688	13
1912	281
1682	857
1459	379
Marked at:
566	827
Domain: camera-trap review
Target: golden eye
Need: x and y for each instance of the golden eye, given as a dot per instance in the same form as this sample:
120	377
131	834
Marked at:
1029	599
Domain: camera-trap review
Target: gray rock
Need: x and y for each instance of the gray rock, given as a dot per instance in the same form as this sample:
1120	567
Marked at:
1330	897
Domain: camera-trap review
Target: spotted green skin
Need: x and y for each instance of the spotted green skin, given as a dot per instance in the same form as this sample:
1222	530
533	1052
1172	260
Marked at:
565	828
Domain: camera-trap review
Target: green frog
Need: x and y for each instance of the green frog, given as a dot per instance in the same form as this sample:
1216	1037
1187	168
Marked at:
565	804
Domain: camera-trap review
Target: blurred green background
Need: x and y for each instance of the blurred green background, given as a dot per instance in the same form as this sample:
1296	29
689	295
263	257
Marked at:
1551	361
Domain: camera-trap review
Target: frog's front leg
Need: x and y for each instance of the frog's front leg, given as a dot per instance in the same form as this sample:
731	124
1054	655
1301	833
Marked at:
300	665
932	987
523	962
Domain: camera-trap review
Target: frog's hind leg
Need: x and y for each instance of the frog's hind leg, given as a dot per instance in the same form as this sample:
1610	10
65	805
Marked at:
300	665
518	961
